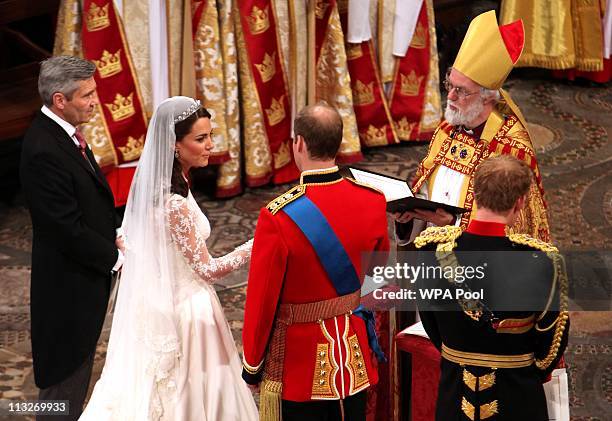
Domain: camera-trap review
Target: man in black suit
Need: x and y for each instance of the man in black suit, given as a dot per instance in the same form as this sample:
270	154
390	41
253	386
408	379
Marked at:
498	347
74	249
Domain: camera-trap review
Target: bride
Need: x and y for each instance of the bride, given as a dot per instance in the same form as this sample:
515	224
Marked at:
171	355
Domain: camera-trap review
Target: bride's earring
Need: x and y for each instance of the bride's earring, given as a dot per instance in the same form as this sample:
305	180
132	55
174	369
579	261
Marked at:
176	153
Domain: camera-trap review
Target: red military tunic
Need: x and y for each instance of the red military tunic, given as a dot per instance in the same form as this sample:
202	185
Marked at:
329	359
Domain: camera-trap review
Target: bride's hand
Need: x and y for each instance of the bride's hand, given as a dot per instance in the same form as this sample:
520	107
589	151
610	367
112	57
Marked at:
245	248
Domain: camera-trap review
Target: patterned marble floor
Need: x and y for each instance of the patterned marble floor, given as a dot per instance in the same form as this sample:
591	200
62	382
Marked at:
572	129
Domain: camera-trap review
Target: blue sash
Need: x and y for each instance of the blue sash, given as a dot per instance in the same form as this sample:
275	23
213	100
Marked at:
337	264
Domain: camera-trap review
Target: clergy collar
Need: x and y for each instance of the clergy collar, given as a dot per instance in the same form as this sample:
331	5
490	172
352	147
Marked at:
491	229
476	132
320	175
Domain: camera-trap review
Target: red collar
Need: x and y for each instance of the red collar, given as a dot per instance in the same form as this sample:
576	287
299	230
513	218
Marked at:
492	229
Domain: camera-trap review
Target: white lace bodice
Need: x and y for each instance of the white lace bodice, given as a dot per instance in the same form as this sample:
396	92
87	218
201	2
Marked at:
190	229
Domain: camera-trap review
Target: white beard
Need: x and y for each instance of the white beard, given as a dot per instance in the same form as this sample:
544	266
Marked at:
463	118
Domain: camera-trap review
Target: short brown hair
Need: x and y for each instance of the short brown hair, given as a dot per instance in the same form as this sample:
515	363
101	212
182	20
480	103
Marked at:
500	181
321	127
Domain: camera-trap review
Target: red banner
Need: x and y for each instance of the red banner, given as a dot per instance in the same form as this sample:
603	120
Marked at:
104	44
262	45
197	8
409	83
374	121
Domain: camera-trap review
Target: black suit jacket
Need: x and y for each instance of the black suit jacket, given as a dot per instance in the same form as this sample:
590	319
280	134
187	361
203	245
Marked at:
73	249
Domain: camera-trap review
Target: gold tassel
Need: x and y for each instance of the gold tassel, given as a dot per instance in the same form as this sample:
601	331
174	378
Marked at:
270	401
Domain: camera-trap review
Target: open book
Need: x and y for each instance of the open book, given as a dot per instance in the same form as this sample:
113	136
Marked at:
398	194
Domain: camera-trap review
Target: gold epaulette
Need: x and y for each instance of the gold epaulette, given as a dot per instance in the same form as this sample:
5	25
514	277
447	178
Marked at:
359	183
527	240
286	198
447	234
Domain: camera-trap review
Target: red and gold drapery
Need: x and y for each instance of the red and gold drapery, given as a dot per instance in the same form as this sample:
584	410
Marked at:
370	104
120	102
262	46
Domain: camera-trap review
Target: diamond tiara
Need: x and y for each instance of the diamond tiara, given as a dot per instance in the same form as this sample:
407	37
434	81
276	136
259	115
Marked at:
192	109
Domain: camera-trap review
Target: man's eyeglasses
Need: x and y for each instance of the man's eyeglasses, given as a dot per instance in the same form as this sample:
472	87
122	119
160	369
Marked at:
461	92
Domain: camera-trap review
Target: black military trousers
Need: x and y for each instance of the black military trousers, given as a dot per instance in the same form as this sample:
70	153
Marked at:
354	408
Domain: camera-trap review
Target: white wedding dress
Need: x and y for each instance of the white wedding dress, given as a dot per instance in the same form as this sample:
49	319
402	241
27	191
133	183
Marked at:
209	385
171	355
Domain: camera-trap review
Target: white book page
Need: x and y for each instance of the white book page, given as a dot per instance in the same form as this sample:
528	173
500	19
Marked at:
557	398
392	189
416	329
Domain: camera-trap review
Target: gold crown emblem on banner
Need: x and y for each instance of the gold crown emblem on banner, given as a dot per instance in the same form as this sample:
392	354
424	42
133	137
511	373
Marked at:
122	107
258	21
375	136
410	84
283	156
363	94
321	8
419	39
276	112
267	69
132	149
353	51
109	64
97	17
404	128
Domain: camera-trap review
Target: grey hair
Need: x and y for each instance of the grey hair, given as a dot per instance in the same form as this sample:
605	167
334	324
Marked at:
490	94
62	74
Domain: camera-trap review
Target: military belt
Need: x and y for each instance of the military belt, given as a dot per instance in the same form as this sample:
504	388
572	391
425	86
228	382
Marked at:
487	360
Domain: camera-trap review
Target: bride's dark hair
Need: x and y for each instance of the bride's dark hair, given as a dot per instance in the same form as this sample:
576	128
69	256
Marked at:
178	184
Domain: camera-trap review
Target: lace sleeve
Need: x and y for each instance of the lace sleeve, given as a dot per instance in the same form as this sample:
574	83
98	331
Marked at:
191	244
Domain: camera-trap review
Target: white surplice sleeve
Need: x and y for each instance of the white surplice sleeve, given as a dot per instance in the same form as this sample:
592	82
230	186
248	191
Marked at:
191	243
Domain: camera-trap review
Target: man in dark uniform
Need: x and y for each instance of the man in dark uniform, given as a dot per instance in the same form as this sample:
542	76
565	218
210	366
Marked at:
305	336
497	349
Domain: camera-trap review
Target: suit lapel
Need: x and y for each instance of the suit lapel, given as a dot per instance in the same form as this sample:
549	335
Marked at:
68	146
100	175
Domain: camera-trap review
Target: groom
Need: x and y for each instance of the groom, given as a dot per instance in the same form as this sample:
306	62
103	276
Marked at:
74	249
305	334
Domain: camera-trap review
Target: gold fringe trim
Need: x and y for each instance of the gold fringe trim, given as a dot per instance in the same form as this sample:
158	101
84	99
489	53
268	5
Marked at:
561	63
270	401
589	64
547	62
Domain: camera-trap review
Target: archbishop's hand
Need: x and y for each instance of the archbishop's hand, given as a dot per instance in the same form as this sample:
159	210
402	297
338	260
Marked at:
440	217
403	217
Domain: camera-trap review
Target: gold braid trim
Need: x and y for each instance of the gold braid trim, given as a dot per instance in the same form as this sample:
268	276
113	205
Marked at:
445	238
560	276
284	199
270	402
561	321
528	240
445	235
251	369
